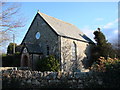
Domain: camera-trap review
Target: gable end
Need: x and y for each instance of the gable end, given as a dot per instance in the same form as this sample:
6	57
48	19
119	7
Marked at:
32	24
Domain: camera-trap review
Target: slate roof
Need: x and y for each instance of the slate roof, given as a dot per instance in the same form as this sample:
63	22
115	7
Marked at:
65	29
33	48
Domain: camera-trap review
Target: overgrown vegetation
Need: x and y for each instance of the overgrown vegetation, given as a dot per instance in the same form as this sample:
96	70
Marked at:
10	48
48	64
107	65
12	60
104	62
102	48
110	71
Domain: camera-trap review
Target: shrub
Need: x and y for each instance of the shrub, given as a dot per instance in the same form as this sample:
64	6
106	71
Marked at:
48	64
105	65
11	60
110	69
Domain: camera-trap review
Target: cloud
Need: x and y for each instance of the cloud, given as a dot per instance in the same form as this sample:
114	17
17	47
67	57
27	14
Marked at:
99	19
112	34
110	24
110	30
115	31
88	32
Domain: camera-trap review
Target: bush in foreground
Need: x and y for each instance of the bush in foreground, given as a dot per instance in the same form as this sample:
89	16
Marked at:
110	71
48	64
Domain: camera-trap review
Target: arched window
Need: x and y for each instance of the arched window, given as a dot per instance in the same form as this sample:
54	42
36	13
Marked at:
74	51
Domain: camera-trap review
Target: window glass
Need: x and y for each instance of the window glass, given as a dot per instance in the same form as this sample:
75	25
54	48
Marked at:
47	50
37	35
73	51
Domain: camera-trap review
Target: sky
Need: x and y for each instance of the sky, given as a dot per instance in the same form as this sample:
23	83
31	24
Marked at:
87	16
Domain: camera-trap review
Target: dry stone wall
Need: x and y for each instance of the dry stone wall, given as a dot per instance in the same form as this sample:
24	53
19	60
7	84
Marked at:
37	79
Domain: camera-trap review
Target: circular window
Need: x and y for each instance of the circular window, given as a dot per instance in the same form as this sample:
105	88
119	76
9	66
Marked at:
37	35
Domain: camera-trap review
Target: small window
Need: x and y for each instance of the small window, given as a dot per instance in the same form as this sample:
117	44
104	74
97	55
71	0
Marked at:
37	35
47	50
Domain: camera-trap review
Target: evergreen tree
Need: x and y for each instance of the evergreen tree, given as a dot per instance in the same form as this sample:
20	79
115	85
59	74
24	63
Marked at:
10	48
103	48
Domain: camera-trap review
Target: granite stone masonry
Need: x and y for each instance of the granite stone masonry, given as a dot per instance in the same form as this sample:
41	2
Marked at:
50	36
37	79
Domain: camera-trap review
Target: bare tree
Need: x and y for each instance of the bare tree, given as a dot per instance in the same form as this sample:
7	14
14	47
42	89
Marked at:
10	20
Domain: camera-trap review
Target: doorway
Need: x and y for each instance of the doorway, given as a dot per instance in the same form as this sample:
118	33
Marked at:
25	61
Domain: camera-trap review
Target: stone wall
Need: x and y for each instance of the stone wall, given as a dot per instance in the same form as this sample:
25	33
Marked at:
47	36
82	51
37	79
